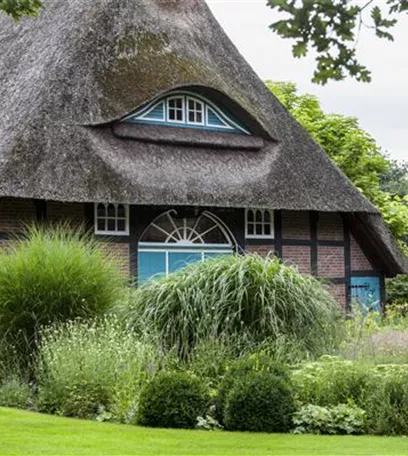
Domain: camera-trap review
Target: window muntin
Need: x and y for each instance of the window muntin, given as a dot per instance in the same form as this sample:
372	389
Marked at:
195	111
259	224
175	109
112	219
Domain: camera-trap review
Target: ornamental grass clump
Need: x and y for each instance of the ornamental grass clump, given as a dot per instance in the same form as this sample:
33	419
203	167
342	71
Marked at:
250	296
53	275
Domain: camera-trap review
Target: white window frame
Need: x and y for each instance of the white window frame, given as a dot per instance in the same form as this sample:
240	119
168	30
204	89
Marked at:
116	232
183	109
263	223
203	111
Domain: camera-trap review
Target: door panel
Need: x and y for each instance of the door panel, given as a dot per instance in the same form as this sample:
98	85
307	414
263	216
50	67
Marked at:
366	291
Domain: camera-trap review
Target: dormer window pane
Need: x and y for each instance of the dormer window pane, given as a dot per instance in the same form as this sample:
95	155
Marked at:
176	109
111	210
195	111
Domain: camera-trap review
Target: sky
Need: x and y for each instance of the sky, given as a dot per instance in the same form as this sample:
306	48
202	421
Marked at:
381	106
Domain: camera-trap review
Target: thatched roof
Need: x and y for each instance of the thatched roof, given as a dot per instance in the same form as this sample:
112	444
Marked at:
81	65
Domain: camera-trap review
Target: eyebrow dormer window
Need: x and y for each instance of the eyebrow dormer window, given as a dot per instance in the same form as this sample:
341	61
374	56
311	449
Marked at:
187	110
175	109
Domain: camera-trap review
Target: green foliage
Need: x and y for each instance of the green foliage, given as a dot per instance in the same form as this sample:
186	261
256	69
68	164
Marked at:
53	275
330	381
259	402
355	152
331	28
247	297
386	400
20	8
87	368
340	419
381	391
173	400
239	369
14	392
397	290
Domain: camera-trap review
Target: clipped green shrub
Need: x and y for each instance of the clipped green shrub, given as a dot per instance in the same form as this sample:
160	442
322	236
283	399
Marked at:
240	369
340	419
86	368
14	392
330	381
53	275
173	400
259	402
257	298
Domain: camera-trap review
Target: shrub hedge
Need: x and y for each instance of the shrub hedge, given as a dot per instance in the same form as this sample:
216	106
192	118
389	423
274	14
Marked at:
259	402
173	400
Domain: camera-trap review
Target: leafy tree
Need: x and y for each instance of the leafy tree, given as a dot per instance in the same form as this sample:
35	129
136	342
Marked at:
332	28
355	152
19	8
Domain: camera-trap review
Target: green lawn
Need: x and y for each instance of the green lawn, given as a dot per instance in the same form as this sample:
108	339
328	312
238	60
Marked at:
26	433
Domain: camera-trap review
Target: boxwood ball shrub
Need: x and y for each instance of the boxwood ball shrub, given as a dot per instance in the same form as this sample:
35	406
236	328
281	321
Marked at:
258	297
259	402
53	275
238	370
173	400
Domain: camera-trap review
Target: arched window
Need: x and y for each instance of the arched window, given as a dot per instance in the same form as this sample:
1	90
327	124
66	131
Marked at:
259	224
187	110
112	219
170	243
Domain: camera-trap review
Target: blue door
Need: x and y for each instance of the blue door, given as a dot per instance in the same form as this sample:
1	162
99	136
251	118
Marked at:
366	293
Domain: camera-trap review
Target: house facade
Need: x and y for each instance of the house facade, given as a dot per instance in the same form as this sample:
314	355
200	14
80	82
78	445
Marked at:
142	121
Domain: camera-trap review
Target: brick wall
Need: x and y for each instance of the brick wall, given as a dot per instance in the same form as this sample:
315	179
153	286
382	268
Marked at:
359	261
295	225
120	252
338	291
14	213
261	249
62	212
330	262
298	255
330	227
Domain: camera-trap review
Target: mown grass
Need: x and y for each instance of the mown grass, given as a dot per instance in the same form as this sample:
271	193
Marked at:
30	433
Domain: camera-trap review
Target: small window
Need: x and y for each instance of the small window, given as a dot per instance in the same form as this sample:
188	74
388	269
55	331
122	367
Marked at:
259	224
175	109
195	110
112	219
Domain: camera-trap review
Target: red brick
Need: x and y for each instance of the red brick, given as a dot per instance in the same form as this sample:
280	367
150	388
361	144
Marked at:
15	213
64	212
296	225
297	255
330	227
261	249
359	261
338	291
331	262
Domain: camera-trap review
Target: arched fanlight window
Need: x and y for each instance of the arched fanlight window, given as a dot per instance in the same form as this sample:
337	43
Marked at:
170	243
259	224
169	229
112	219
